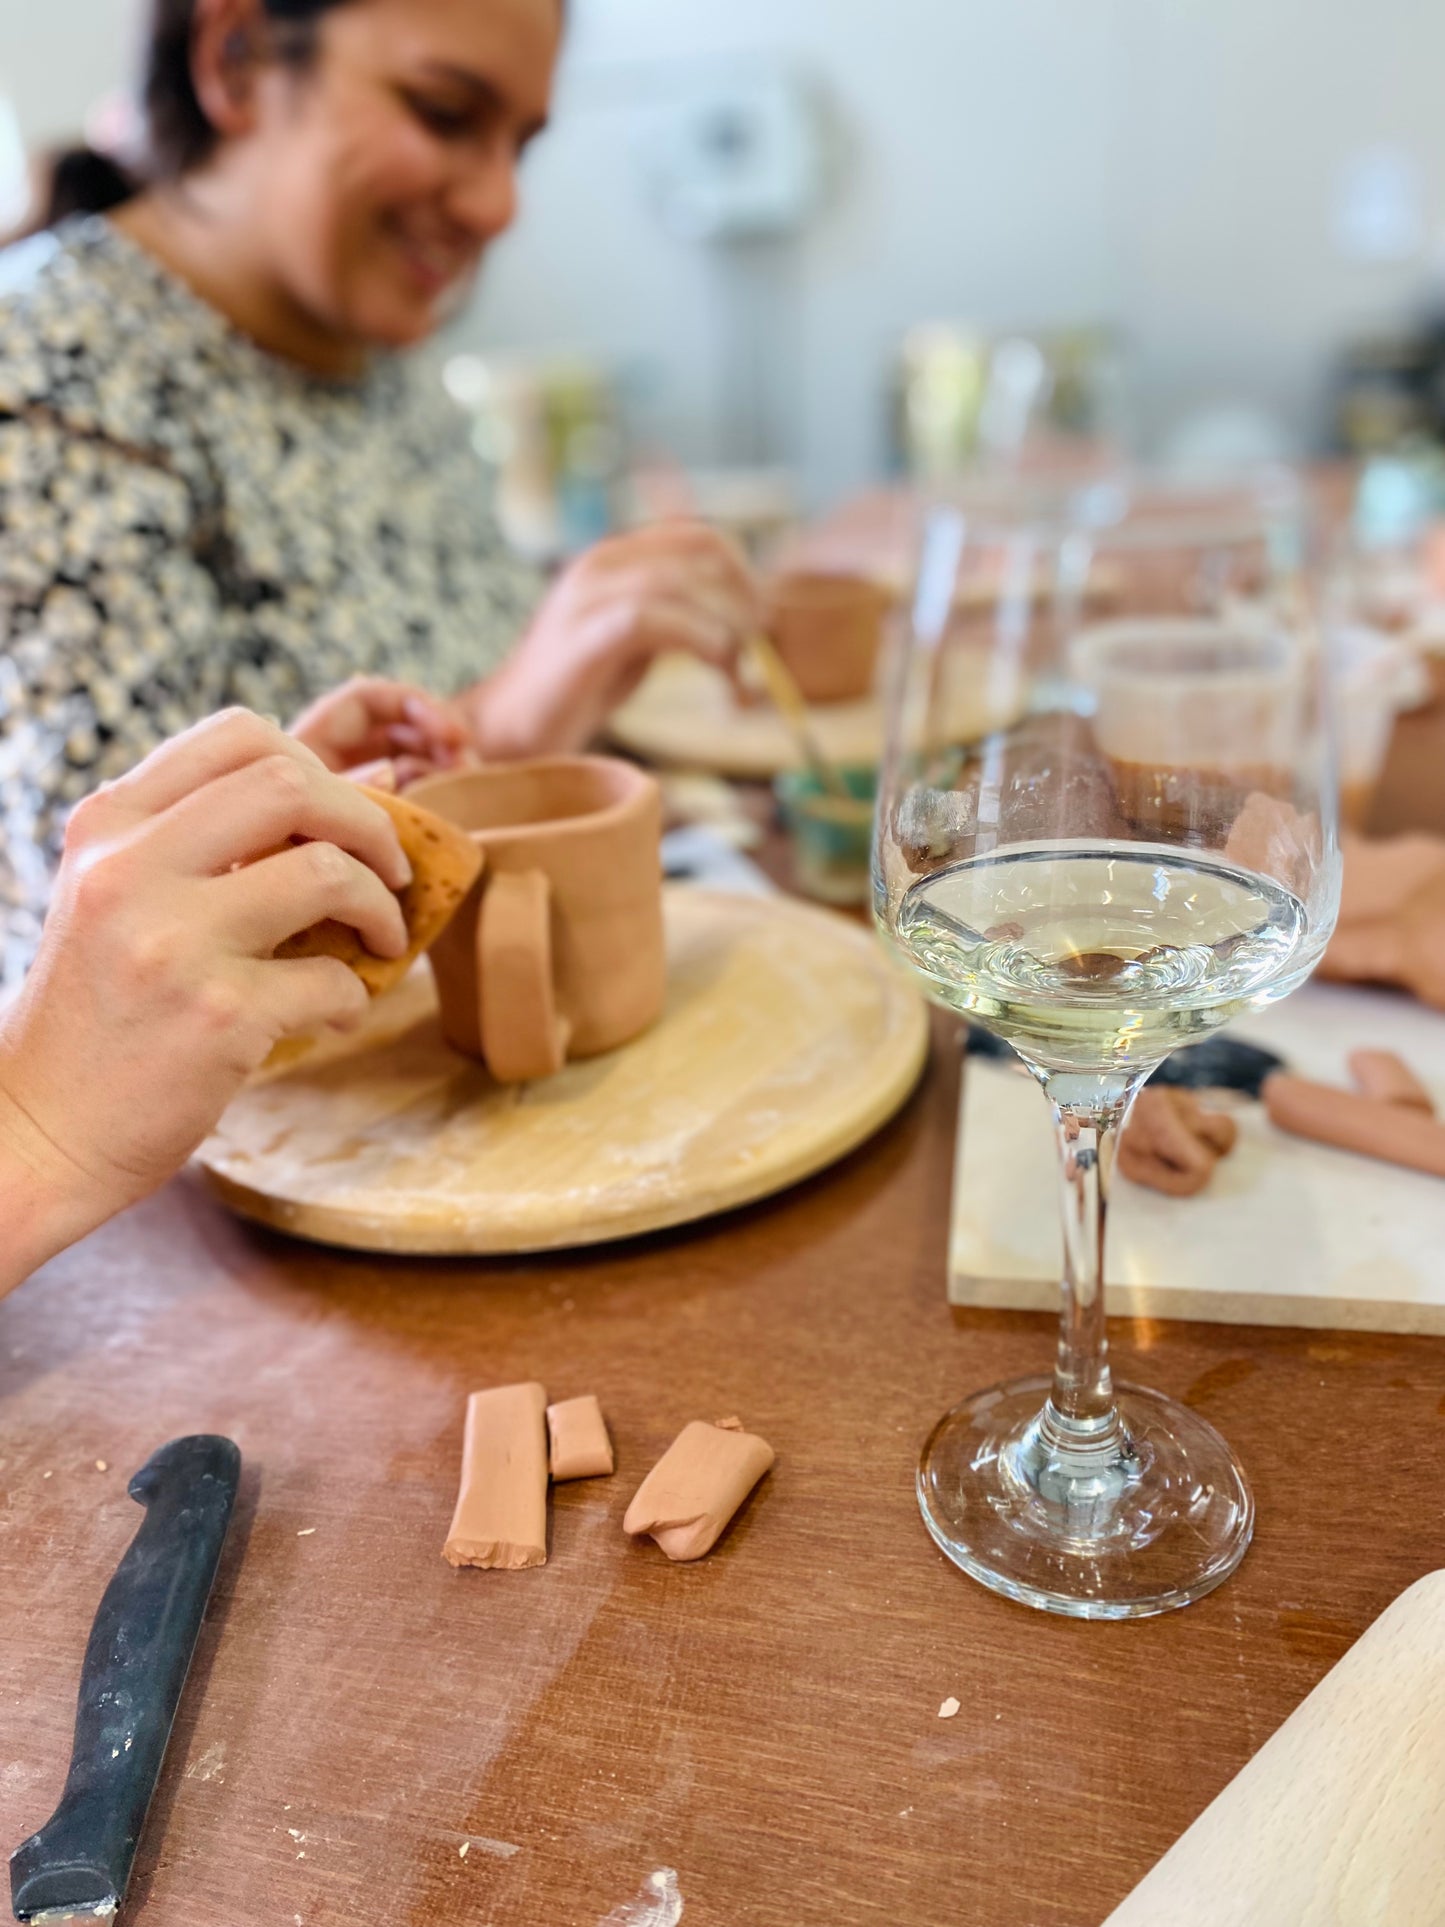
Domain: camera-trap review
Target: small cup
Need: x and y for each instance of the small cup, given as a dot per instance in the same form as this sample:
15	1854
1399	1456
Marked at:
828	629
558	951
1193	716
832	839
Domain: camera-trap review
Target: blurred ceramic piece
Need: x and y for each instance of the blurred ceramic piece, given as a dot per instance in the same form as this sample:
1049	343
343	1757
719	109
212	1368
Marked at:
828	629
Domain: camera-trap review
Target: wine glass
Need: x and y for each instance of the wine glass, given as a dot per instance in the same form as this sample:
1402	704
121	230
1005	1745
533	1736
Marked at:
1140	847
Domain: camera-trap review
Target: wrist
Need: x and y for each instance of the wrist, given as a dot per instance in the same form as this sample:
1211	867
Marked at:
496	713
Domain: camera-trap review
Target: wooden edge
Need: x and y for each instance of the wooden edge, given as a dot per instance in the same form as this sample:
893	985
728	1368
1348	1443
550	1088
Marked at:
349	1230
1185	1306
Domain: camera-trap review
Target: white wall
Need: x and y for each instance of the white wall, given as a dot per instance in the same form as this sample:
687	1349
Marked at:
977	183
1172	165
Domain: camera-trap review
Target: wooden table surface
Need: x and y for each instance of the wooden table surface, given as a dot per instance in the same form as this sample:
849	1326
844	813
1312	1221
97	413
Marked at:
765	1724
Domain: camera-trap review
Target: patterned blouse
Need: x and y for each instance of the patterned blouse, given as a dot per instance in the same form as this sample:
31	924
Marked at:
187	522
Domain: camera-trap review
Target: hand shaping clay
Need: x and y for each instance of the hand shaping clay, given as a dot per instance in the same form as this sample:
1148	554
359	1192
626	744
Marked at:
1391	1132
1380	1073
688	1497
501	1515
580	1447
1392	917
1172	1143
445	863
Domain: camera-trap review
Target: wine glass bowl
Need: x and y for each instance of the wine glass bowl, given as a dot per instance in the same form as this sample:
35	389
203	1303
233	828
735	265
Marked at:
1150	853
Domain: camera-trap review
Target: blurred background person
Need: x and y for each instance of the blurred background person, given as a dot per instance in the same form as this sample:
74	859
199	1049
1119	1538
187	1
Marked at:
220	481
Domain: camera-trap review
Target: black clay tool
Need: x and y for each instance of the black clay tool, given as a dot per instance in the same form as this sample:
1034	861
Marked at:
77	1867
1218	1064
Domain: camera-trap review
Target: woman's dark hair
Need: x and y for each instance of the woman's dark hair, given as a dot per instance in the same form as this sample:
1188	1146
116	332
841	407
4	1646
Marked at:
179	137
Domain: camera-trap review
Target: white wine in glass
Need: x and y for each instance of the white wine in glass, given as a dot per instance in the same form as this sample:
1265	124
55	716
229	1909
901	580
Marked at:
1145	853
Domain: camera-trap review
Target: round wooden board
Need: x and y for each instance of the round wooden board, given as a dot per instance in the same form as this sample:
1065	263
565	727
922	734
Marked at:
685	715
789	1037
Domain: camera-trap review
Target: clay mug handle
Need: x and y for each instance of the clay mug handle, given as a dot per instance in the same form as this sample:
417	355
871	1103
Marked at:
523	1036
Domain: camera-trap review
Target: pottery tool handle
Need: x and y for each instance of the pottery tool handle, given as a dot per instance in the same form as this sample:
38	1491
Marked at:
130	1685
791	704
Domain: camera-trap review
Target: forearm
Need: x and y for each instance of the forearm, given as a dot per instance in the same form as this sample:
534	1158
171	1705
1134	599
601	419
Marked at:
45	1205
503	717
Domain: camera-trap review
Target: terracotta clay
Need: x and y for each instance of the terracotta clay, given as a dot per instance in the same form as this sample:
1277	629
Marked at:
558	951
689	1496
1390	1132
501	1515
828	629
445	863
1381	1074
579	1445
1172	1143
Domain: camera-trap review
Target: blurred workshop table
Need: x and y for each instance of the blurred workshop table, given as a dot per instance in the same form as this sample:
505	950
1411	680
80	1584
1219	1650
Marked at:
759	1733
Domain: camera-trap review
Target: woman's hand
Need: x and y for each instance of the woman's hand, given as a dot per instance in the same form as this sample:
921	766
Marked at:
673	586
368	721
155	992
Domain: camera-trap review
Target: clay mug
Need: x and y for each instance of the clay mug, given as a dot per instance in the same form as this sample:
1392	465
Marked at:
558	950
828	629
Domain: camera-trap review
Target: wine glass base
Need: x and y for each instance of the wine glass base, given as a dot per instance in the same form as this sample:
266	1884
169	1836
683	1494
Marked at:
1124	1534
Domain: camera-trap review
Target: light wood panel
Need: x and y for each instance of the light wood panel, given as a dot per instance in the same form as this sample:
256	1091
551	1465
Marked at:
1339	1821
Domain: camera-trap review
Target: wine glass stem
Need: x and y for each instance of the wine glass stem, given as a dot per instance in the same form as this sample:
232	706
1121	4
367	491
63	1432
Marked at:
1080	1416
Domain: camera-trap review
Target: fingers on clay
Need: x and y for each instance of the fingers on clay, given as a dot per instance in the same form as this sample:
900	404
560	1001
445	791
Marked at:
501	1516
688	1498
579	1445
1381	1074
1394	1133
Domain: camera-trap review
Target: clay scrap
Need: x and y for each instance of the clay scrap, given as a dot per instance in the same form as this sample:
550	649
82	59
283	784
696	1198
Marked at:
1381	1074
1172	1143
1394	1133
580	1447
501	1516
688	1498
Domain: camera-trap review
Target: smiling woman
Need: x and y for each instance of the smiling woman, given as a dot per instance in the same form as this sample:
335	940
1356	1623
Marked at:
220	483
373	147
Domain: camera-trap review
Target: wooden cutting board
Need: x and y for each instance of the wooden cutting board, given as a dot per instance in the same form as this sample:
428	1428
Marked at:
686	715
1340	1820
788	1038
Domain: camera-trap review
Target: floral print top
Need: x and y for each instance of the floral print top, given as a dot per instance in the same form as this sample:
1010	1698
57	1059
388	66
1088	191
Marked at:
187	522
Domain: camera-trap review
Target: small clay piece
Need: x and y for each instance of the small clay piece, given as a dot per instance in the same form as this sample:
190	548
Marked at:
501	1515
688	1497
445	863
1380	1073
580	1447
1394	1133
1172	1143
